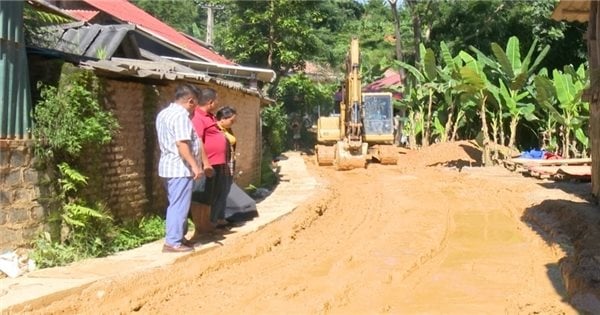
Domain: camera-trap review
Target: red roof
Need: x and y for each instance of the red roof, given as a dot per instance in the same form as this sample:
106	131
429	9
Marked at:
390	79
125	11
83	15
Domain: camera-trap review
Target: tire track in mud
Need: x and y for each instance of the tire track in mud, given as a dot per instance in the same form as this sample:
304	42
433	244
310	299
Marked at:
484	248
377	240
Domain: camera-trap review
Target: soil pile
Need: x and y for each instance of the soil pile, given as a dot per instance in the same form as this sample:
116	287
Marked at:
453	154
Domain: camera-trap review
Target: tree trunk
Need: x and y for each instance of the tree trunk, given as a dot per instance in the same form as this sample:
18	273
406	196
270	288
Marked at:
416	23
487	161
412	137
448	128
513	131
459	116
427	129
501	128
399	56
271	35
566	146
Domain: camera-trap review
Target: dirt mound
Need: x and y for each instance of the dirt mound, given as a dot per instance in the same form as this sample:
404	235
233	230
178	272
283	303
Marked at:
575	227
451	154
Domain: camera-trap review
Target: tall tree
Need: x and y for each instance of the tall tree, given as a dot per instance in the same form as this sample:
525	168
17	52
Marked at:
277	34
180	14
479	23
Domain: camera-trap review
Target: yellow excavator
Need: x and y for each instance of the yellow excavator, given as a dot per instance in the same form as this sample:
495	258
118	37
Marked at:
364	128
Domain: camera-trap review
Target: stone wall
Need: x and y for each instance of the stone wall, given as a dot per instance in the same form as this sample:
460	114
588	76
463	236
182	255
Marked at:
21	215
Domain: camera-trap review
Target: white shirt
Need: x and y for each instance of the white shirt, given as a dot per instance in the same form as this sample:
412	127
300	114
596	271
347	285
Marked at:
173	124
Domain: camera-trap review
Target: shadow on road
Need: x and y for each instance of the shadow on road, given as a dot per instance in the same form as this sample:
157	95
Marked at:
575	228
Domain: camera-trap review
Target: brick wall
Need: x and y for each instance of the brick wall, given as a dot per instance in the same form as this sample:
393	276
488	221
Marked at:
247	130
124	175
21	215
121	176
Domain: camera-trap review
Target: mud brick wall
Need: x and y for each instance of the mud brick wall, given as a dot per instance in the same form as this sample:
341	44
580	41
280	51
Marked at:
129	178
124	175
21	215
122	169
247	130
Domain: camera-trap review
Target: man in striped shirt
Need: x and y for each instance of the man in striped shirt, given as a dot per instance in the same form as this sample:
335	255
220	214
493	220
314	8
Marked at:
179	163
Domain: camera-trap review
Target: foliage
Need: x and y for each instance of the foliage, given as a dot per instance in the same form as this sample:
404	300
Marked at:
301	95
69	118
568	114
84	230
131	234
180	14
49	253
276	33
274	128
35	23
515	76
480	23
135	233
268	176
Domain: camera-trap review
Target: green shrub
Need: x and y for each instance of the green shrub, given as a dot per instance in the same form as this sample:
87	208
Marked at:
274	124
135	233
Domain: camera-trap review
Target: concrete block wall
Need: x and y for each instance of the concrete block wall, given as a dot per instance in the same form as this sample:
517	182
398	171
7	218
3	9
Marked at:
21	214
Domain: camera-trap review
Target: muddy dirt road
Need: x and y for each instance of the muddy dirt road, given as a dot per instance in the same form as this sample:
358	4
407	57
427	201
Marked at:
418	238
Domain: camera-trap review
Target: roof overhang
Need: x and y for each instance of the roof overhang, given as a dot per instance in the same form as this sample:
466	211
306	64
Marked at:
572	10
250	73
166	70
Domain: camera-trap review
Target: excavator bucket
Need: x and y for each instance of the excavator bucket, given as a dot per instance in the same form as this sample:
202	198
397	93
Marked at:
325	154
346	159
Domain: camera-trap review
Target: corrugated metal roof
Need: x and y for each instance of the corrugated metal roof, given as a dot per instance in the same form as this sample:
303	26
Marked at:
125	11
15	97
167	70
96	41
572	10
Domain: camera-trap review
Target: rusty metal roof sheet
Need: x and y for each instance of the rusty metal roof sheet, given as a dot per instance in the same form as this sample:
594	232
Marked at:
165	70
572	10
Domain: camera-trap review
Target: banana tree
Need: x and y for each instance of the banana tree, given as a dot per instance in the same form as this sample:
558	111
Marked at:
425	86
450	77
515	76
561	96
476	85
412	100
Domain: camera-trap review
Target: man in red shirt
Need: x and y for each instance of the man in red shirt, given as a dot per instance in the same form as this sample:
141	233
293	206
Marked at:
215	146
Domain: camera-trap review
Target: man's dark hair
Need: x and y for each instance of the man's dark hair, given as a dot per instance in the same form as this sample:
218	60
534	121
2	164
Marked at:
186	90
207	95
225	112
